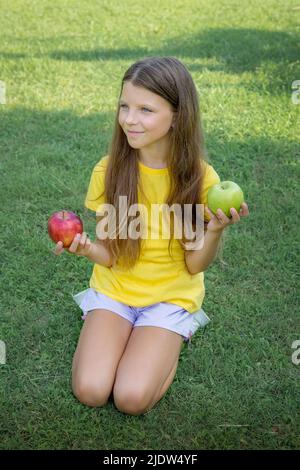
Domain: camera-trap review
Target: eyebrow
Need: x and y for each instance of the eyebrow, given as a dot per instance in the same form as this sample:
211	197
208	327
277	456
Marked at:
145	104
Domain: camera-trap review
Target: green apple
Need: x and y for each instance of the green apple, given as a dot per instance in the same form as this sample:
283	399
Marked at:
223	196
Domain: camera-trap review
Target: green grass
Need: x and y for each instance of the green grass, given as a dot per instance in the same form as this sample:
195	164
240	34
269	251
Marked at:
236	386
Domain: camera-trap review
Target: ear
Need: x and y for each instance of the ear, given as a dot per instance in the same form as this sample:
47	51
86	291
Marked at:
174	119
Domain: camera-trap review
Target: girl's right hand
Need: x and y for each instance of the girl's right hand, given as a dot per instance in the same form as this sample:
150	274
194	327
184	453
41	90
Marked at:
80	245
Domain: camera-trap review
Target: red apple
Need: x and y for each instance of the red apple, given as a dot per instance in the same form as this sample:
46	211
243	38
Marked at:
63	226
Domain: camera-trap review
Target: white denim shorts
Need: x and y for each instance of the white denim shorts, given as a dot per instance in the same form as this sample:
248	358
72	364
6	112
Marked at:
163	314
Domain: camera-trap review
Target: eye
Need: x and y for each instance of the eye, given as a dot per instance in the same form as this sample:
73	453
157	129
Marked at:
144	109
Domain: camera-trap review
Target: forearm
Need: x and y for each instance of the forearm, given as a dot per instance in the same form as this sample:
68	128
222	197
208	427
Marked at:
198	260
99	254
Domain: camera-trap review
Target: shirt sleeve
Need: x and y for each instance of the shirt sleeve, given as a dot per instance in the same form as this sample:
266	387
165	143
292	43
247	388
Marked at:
211	177
95	193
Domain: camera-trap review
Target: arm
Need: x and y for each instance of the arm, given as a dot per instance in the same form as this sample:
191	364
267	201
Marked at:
83	246
98	254
198	260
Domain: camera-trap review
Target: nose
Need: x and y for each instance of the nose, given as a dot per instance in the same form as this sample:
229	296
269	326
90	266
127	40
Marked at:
131	118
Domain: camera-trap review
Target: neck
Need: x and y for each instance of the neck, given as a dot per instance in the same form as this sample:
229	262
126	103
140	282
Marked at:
152	160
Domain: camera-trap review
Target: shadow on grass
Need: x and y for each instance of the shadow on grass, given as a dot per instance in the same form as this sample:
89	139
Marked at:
274	55
47	157
52	155
236	50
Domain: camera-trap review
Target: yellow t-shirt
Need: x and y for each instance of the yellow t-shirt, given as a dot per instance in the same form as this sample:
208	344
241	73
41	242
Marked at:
156	277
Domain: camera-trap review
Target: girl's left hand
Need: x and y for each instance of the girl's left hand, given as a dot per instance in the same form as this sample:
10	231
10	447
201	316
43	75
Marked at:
220	221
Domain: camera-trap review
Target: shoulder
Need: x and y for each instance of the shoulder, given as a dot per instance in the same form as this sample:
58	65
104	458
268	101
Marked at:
210	176
96	189
101	165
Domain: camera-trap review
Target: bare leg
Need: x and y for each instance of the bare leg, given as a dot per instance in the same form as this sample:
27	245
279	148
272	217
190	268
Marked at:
102	341
146	369
165	387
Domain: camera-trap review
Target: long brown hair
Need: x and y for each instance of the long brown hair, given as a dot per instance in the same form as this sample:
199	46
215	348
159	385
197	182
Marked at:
170	79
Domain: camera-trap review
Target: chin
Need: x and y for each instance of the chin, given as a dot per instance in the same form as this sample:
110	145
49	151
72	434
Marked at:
133	145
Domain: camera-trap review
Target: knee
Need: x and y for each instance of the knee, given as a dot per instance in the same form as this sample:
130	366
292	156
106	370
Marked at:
132	401
90	392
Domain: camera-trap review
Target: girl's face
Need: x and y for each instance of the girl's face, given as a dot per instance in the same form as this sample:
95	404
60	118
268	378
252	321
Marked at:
145	118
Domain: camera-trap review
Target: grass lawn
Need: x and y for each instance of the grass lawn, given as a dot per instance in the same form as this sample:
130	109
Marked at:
236	386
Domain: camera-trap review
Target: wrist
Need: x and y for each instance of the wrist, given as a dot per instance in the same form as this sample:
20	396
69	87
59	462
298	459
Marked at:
217	232
90	251
99	254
